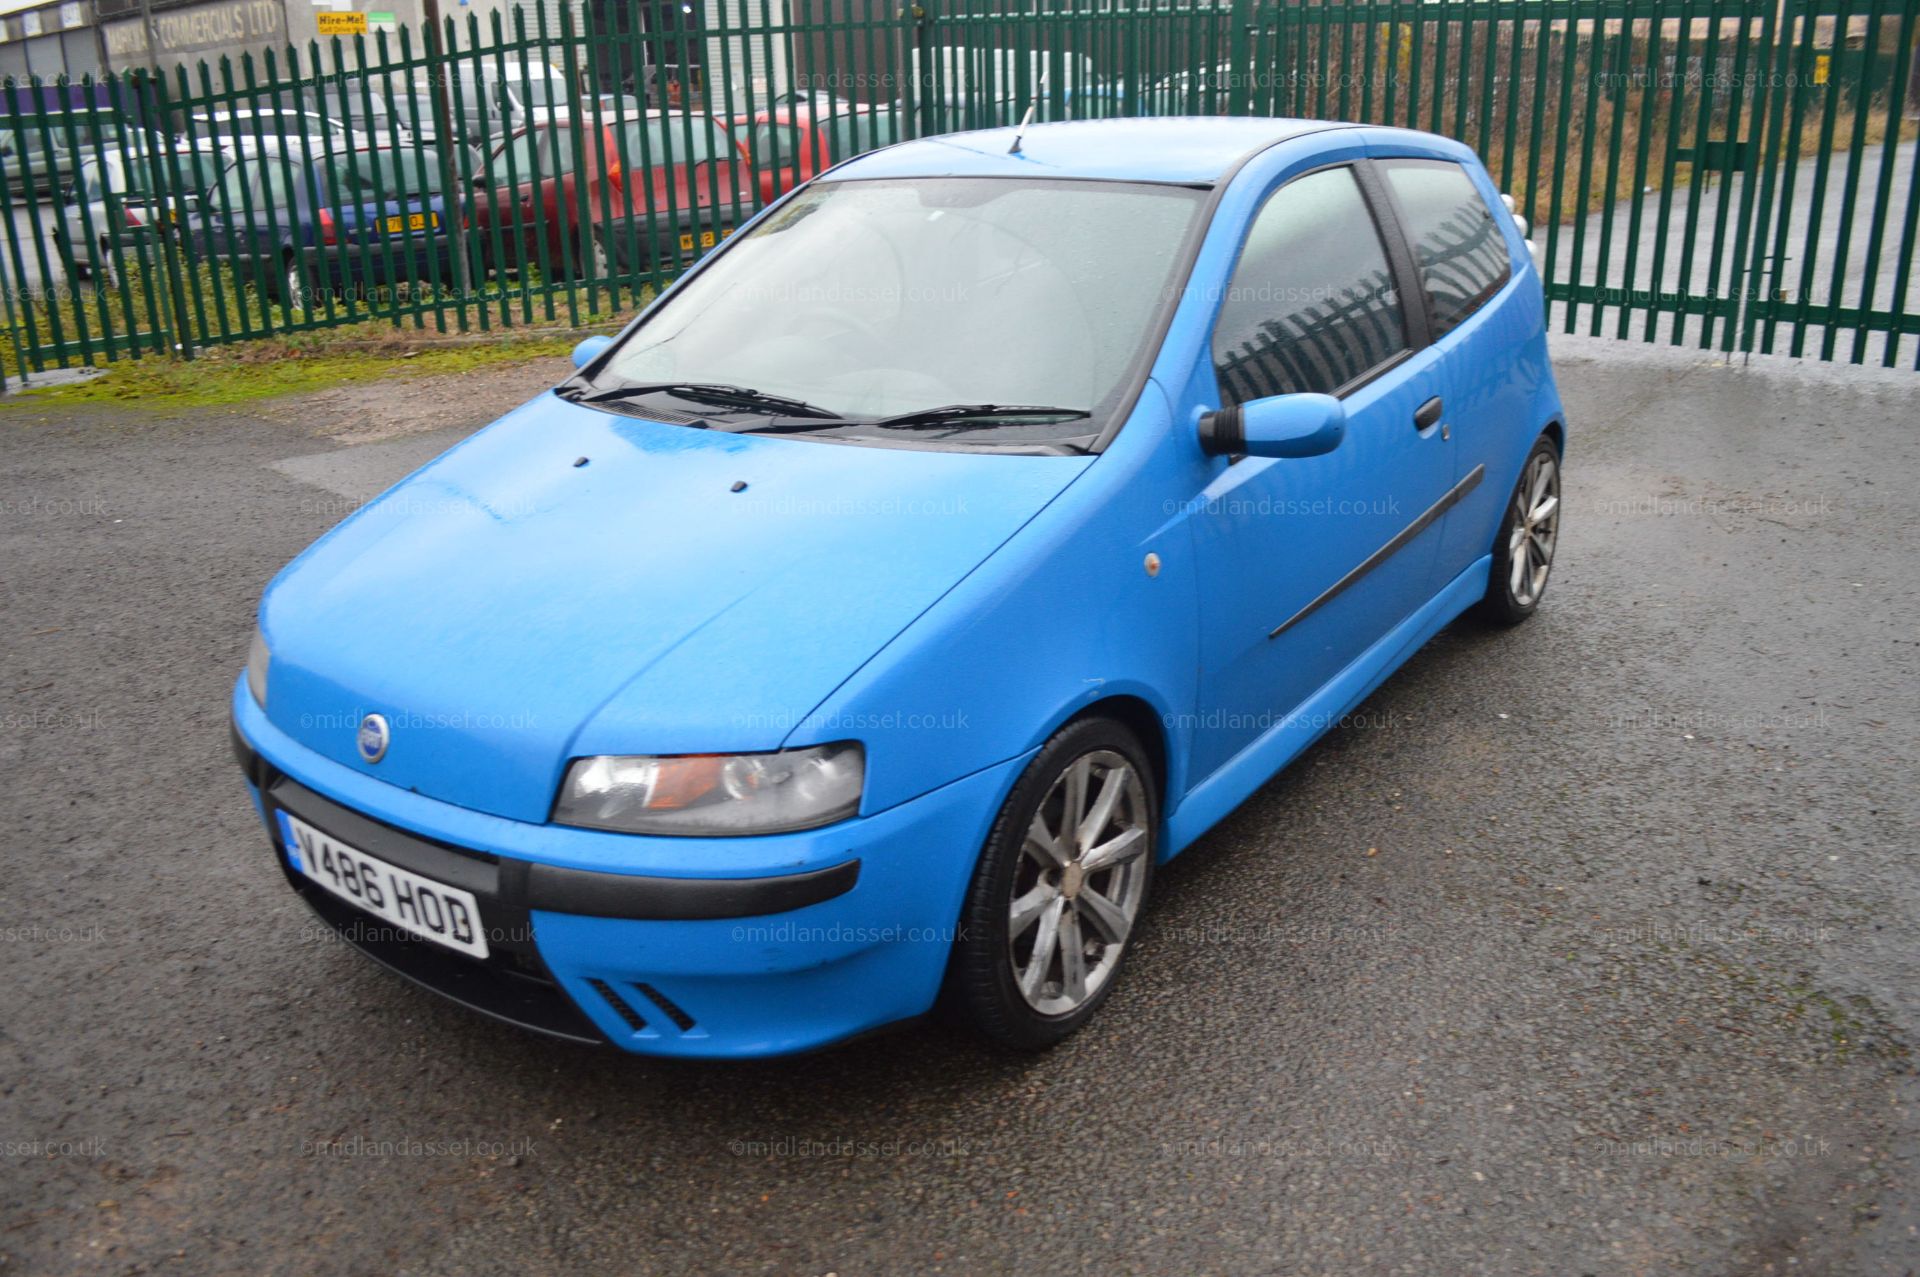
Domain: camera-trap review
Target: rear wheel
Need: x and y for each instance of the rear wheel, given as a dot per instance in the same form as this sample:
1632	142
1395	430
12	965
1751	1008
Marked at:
591	254
1059	888
108	273
1523	550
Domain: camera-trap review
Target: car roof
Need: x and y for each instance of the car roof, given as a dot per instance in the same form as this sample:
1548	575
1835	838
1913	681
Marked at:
261	110
198	146
1197	149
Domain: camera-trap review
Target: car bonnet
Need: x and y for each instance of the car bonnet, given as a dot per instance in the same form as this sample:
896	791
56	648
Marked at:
569	582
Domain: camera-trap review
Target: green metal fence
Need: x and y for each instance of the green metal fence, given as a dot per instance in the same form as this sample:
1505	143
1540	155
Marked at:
1729	174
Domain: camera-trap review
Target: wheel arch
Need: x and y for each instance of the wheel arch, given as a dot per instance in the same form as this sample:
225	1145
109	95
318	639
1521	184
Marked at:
1147	725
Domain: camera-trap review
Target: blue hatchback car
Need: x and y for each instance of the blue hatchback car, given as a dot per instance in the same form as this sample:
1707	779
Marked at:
858	630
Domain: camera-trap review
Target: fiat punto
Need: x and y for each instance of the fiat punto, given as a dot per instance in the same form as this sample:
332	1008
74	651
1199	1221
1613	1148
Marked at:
856	632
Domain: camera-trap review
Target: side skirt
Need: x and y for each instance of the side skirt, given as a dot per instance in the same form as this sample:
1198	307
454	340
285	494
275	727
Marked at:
1236	780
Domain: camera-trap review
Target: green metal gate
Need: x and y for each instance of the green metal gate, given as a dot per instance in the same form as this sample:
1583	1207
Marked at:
1834	237
1735	175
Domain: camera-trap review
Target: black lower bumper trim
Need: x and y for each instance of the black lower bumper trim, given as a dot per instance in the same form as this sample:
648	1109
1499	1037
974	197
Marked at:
518	998
604	895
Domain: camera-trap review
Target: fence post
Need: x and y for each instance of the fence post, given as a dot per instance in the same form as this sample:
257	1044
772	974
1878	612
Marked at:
454	200
1240	68
923	70
150	93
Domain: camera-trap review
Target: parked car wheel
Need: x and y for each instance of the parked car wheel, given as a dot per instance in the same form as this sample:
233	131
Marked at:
1059	888
1523	551
294	287
108	274
76	266
589	253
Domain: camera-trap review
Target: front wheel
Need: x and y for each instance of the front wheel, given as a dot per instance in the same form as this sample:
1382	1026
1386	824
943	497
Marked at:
294	289
1059	888
1523	550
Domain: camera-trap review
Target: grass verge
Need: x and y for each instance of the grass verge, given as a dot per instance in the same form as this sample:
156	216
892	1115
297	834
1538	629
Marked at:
264	369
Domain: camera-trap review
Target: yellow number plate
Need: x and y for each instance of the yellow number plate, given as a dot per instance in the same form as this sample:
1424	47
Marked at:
412	222
706	240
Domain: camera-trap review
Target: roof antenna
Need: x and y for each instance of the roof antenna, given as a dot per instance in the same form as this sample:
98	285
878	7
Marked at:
1024	121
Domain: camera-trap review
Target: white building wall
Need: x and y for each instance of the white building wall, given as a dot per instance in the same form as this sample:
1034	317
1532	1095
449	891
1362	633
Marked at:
753	73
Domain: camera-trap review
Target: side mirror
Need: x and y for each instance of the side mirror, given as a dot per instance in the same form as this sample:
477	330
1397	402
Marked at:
1301	425
589	350
480	182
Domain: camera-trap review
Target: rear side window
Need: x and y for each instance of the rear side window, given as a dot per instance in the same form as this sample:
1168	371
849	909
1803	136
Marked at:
239	188
193	172
88	180
281	179
556	151
787	145
515	162
197	173
1457	246
1312	306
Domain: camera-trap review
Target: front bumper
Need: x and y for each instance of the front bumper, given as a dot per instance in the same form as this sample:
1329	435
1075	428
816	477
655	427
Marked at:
838	932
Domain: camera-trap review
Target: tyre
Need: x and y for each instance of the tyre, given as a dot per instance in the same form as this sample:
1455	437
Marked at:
591	254
293	288
1054	901
1523	549
75	266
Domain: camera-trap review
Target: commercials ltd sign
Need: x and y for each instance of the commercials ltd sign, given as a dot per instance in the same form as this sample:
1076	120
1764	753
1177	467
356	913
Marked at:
232	26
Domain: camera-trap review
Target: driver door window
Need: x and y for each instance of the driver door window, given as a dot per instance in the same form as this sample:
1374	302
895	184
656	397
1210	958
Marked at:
515	164
1312	304
236	193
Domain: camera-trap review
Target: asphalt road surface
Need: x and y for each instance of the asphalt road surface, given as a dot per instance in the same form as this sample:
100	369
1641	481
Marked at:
1583	948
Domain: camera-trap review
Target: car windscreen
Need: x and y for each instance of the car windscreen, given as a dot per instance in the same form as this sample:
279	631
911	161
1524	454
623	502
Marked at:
351	106
539	92
872	299
35	141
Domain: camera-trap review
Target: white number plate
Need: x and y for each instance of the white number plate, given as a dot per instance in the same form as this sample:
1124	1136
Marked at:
428	909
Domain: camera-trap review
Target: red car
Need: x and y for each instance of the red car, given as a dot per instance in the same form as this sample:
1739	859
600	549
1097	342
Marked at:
590	193
786	145
790	144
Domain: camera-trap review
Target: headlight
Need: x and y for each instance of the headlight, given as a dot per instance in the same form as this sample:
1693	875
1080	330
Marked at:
257	658
714	795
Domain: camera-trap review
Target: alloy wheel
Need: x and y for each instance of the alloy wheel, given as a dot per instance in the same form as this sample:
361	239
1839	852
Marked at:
1080	882
1535	527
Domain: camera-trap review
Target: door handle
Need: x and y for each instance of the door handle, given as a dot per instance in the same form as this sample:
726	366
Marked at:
1427	414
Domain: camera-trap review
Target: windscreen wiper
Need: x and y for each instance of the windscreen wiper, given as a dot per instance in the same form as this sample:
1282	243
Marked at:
714	393
968	414
806	425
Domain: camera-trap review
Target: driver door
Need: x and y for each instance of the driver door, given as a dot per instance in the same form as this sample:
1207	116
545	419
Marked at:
1306	562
